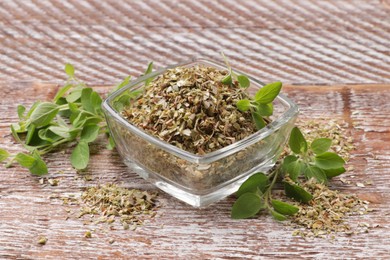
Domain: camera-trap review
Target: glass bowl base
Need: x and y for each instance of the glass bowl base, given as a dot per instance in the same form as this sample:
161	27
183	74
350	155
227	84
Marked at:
198	199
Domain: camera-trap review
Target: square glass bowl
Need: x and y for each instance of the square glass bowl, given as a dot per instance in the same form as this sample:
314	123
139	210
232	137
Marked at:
199	180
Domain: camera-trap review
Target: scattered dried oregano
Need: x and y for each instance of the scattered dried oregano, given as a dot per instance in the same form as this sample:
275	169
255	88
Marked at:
326	213
192	109
111	202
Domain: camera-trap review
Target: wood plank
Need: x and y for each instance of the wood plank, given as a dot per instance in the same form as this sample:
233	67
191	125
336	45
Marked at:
300	42
180	231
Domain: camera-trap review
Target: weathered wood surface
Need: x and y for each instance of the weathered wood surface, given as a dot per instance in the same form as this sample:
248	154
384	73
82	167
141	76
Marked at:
339	50
298	41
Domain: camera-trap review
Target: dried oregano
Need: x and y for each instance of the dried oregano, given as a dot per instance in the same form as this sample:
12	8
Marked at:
111	203
192	109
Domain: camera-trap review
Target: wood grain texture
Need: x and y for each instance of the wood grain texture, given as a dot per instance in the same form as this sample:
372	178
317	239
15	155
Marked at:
29	209
301	42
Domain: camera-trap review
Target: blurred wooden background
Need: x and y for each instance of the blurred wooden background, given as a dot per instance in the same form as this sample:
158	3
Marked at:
334	57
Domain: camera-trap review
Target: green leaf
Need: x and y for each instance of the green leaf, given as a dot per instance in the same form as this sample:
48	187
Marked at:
316	173
21	109
259	121
257	181
148	71
330	173
61	92
294	169
89	133
284	208
321	145
297	141
122	102
39	168
278	216
122	84
44	114
329	160
47	135
15	134
265	109
25	160
69	70
297	193
134	94
243	81
268	93
30	134
80	156
92	121
61	131
33	107
90	100
243	105
246	206
227	80
111	143
75	95
3	155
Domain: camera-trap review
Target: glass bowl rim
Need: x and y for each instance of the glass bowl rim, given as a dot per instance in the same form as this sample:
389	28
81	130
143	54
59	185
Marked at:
215	155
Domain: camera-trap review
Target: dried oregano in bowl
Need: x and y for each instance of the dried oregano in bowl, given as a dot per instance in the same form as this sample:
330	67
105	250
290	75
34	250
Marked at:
190	108
197	130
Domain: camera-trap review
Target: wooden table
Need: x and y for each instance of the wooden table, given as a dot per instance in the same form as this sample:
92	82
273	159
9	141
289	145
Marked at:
334	57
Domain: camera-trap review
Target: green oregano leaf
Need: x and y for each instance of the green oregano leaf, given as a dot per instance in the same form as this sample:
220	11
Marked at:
243	81
257	181
316	173
278	216
3	155
294	169
21	109
122	84
30	133
243	105
265	109
330	173
90	100
25	160
61	131
111	143
297	142
89	133
297	193
39	167
74	95
268	93
321	145
246	206
44	114
61	92
69	70
227	80
80	156
259	121
329	160
149	70
284	208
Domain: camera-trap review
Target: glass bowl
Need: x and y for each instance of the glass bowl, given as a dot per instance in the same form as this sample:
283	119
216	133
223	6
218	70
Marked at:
199	180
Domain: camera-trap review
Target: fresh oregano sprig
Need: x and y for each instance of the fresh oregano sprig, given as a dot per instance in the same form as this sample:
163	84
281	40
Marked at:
308	160
73	117
243	80
260	105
